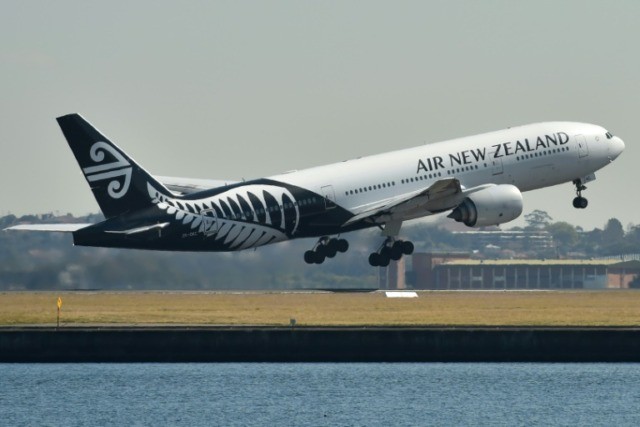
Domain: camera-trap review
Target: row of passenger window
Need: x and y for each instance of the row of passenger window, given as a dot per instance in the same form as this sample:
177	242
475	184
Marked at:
463	169
421	177
370	188
407	180
542	153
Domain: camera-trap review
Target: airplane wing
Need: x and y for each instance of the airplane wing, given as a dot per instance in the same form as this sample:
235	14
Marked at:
62	228
442	195
191	185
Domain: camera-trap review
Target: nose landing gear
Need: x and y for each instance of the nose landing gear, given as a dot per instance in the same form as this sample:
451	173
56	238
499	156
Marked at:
325	248
579	202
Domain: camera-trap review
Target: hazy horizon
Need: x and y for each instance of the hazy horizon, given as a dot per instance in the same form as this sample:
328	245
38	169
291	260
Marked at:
231	90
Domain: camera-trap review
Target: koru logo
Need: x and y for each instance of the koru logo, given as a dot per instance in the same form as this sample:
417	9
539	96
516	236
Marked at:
119	171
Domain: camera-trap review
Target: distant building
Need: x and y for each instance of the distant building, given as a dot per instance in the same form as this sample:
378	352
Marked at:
423	265
456	271
520	240
621	274
394	276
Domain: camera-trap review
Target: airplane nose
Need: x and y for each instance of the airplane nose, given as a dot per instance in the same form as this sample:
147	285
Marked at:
616	147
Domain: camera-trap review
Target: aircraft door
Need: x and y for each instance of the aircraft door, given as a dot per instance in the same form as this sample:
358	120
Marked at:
329	197
583	148
210	223
496	164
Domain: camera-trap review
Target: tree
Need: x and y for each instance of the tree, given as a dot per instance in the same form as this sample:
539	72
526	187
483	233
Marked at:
633	238
613	231
564	235
537	219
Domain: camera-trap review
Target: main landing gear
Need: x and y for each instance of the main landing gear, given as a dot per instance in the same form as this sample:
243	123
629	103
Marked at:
325	248
391	249
579	202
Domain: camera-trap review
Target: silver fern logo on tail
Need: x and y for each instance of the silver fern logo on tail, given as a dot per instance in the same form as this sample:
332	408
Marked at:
119	171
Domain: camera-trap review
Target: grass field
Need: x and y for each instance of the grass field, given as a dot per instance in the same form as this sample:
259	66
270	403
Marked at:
558	308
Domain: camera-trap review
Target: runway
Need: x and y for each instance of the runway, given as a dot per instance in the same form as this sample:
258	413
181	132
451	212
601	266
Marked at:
611	308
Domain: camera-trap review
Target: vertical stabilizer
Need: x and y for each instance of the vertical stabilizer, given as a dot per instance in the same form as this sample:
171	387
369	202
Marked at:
118	183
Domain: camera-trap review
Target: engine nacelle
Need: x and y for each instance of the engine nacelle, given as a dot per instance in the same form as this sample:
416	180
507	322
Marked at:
491	206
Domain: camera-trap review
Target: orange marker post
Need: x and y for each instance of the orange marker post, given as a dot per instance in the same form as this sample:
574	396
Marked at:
59	307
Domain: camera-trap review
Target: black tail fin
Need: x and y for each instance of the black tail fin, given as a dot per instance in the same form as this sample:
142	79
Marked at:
118	183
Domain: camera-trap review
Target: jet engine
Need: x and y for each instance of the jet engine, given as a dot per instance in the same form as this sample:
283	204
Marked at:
491	206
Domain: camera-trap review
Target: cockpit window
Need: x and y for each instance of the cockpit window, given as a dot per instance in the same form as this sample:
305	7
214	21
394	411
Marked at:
609	135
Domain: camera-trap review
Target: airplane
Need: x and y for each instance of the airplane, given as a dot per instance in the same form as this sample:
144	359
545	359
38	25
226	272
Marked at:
478	179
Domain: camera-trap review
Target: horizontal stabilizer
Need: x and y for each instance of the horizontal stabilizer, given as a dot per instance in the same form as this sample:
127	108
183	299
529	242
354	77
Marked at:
61	228
139	229
191	185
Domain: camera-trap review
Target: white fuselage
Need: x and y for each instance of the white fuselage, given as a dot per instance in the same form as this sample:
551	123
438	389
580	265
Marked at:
479	179
567	151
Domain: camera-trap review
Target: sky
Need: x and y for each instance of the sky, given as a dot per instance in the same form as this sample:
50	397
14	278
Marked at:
245	89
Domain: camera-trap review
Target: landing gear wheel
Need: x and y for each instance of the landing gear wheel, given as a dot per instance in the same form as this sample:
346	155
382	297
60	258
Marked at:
396	252
322	250
313	257
331	248
385	252
374	259
583	203
407	248
390	250
310	257
325	248
580	203
384	260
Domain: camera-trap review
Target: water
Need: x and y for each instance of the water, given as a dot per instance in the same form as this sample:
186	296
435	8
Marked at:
320	394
